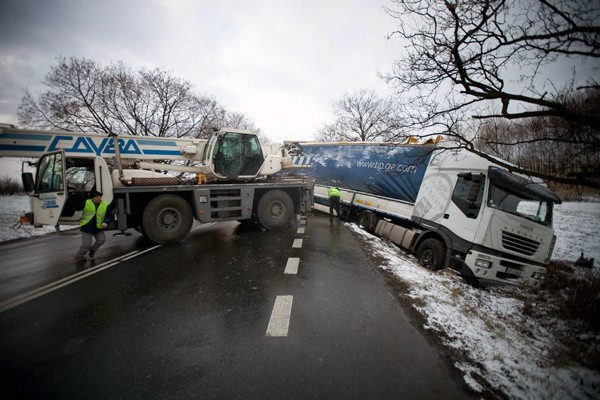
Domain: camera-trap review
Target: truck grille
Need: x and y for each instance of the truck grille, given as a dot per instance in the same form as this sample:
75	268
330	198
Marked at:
519	244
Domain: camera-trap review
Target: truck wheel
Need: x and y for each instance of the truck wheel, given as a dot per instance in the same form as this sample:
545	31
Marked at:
275	210
167	219
431	254
366	220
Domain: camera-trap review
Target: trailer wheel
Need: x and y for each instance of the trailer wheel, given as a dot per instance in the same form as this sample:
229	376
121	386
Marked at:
275	210
167	219
431	254
366	220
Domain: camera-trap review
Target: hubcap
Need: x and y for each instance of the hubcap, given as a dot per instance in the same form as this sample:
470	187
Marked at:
427	258
277	210
168	220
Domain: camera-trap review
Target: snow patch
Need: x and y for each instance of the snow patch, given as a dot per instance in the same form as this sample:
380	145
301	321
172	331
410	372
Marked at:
502	347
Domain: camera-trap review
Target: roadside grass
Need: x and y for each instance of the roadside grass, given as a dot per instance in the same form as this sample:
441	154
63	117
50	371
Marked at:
10	186
572	294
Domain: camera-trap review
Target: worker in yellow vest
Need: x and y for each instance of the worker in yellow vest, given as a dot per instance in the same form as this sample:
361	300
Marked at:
93	222
334	201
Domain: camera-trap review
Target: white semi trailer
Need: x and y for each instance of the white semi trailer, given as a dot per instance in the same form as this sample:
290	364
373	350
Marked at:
450	208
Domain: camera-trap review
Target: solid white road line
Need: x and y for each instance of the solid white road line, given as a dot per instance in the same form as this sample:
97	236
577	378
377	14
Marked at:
291	268
280	317
297	244
34	294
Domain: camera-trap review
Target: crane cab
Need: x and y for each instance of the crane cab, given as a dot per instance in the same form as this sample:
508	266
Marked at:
235	154
238	154
62	185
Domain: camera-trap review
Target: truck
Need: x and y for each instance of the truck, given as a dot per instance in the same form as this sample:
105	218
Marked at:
158	185
448	207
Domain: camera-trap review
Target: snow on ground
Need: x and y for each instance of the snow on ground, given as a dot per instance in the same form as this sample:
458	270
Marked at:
503	351
11	207
499	349
577	230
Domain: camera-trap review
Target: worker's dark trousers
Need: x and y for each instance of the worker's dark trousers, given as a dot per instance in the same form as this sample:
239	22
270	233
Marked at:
334	202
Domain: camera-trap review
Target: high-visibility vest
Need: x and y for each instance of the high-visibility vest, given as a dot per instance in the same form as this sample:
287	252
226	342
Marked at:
334	192
90	210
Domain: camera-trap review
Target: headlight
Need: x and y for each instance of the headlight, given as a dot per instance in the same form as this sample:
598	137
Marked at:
483	263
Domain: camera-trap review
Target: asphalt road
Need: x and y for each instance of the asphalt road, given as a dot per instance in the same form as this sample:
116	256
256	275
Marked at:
232	312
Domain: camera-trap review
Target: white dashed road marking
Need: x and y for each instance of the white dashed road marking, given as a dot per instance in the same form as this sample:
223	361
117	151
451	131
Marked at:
282	310
280	317
291	267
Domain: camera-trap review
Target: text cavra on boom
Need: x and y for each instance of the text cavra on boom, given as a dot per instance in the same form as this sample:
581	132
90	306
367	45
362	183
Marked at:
235	179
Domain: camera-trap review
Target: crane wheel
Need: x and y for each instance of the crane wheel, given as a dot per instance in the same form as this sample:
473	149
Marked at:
275	210
167	219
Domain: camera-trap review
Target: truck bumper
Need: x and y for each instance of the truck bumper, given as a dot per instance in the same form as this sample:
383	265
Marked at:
493	270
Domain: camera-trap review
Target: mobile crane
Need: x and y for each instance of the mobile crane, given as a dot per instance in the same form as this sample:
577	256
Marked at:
233	179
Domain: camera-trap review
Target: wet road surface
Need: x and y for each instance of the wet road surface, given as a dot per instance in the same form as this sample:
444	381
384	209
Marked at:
199	320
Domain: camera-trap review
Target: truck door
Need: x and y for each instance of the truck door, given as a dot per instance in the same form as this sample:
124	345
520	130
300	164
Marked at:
49	193
83	175
463	214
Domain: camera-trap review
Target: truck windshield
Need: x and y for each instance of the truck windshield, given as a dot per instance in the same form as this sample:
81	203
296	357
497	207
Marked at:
539	211
520	196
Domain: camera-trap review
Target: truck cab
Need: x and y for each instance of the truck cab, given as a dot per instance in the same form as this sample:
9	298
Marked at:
496	225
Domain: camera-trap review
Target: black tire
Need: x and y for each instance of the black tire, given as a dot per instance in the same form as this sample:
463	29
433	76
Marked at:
167	219
275	210
367	221
431	254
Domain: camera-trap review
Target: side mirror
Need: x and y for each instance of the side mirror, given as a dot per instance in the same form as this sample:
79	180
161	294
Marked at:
28	182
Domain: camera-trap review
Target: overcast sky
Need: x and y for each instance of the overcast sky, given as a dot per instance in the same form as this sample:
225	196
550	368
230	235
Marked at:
280	62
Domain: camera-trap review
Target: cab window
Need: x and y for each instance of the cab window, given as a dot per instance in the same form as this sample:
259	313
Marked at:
468	193
50	174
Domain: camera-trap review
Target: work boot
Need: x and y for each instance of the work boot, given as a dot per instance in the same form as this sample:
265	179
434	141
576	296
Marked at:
80	258
91	253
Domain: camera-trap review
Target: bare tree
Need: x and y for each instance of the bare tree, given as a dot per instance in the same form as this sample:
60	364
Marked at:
490	59
362	116
85	96
541	144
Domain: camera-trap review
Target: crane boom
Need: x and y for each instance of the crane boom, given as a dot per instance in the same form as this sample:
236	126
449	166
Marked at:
34	143
227	154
